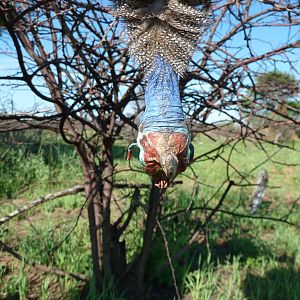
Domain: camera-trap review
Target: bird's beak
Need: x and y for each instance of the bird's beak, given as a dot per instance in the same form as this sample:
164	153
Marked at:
169	164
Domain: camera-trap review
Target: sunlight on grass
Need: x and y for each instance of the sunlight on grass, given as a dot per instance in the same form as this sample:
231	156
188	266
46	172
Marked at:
238	259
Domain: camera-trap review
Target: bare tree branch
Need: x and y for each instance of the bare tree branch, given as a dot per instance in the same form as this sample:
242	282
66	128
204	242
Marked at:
70	191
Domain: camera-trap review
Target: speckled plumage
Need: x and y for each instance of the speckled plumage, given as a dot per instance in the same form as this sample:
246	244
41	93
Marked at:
167	28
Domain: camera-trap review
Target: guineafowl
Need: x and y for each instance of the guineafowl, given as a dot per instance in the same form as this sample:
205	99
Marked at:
162	37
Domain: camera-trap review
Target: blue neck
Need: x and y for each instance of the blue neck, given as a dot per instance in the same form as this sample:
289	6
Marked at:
164	111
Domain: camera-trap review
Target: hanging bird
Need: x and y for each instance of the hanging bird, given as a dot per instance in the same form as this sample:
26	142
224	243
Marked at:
162	37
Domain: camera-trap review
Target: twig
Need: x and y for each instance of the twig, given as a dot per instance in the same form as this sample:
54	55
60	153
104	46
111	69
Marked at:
213	212
231	213
169	257
141	185
133	206
195	235
131	186
71	231
42	268
70	191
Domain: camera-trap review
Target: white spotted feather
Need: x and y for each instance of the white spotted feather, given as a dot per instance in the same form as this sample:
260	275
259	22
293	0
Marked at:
167	28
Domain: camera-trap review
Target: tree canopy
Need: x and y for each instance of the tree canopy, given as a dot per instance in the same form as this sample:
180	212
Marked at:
277	88
275	95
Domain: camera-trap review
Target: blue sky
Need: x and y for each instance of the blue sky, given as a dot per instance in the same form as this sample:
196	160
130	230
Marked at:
264	40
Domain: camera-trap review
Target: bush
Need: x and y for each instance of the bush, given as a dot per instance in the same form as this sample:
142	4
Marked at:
19	170
24	165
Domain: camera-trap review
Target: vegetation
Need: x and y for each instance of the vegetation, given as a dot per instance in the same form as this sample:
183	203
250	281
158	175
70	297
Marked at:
122	237
236	258
274	104
276	89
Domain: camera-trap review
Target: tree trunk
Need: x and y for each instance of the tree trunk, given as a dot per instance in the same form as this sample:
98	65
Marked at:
91	188
153	211
106	196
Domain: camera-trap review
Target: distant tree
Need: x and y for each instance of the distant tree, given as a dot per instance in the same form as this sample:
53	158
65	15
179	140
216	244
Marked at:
278	87
275	90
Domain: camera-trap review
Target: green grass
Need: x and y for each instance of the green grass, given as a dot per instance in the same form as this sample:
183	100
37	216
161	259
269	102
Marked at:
237	259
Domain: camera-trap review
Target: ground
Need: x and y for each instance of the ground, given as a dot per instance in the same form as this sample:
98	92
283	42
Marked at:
236	258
